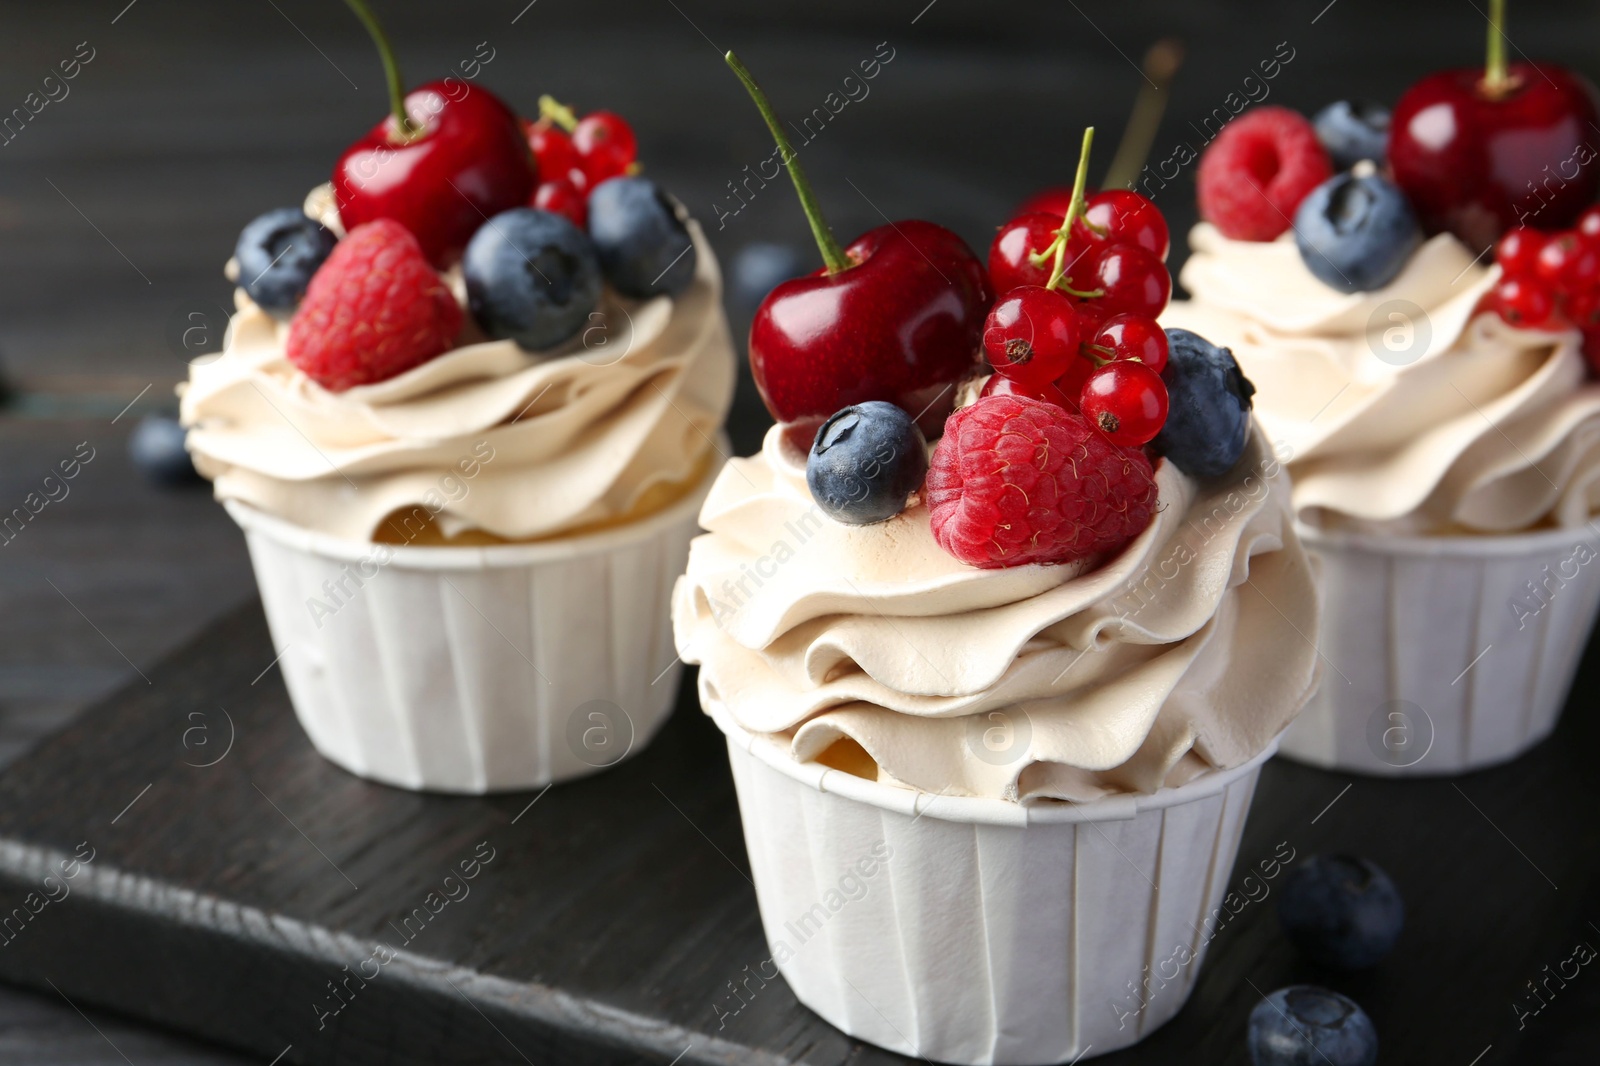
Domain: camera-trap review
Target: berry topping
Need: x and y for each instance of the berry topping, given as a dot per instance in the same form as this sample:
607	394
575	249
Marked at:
1016	481
1341	911
1353	130
552	150
563	198
1121	216
605	145
1551	281
1254	175
375	309
1126	401
531	276
644	245
1128	279
1032	335
1208	418
1524	302
1011	261
1356	232
278	252
865	462
1303	1025
1133	337
1518	251
1062	393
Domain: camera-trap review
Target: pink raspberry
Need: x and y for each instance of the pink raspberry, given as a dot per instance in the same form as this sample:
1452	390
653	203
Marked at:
373	310
1257	171
1015	481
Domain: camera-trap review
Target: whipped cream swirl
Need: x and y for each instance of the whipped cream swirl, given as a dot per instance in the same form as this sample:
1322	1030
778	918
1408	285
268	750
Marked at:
1402	410
487	437
870	649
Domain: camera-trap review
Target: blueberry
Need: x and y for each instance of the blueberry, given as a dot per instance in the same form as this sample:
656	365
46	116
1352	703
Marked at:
532	276
1208	417
277	254
759	267
156	449
865	461
1304	1025
644	245
1353	130
1341	911
1355	231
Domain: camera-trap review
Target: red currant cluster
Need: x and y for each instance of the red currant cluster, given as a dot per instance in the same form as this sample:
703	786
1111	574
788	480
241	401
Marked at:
1075	324
1552	280
575	155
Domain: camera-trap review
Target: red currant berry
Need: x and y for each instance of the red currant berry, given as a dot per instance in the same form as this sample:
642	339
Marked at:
1124	217
1134	337
1583	309
1052	201
606	144
1133	279
1556	260
1032	335
552	149
1518	251
1072	382
1523	302
561	197
1010	264
1050	392
1126	401
1591	349
1588	225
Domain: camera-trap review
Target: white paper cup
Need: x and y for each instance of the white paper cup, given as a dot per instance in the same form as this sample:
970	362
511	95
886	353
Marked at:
459	669
1444	654
977	931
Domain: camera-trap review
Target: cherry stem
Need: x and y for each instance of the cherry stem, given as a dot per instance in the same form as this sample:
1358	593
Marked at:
832	255
557	112
1495	78
1075	209
1161	65
391	68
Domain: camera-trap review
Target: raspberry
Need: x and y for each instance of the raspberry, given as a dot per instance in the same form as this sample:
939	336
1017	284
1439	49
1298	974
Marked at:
1258	170
1015	481
374	309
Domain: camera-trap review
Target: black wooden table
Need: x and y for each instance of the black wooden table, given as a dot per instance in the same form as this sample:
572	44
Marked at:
607	920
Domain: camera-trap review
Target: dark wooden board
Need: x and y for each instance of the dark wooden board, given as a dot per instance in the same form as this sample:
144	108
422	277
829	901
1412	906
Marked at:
223	899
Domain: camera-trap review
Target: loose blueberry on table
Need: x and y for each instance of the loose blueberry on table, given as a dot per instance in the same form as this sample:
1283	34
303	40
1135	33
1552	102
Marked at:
1303	1025
1341	911
897	315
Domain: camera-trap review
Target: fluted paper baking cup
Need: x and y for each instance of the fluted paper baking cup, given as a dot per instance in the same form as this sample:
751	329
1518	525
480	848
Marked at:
969	930
1444	654
476	669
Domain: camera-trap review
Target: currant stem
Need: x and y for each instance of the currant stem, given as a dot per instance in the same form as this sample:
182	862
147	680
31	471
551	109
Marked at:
391	68
1075	209
1495	77
832	255
557	112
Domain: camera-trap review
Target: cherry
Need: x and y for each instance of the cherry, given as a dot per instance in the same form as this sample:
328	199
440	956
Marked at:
1032	335
1518	251
562	197
1126	401
1523	301
898	315
1132	279
439	164
1133	337
1010	255
1478	152
1121	216
605	143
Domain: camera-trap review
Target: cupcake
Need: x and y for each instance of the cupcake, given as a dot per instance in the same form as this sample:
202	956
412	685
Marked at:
467	453
995	705
1441	429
